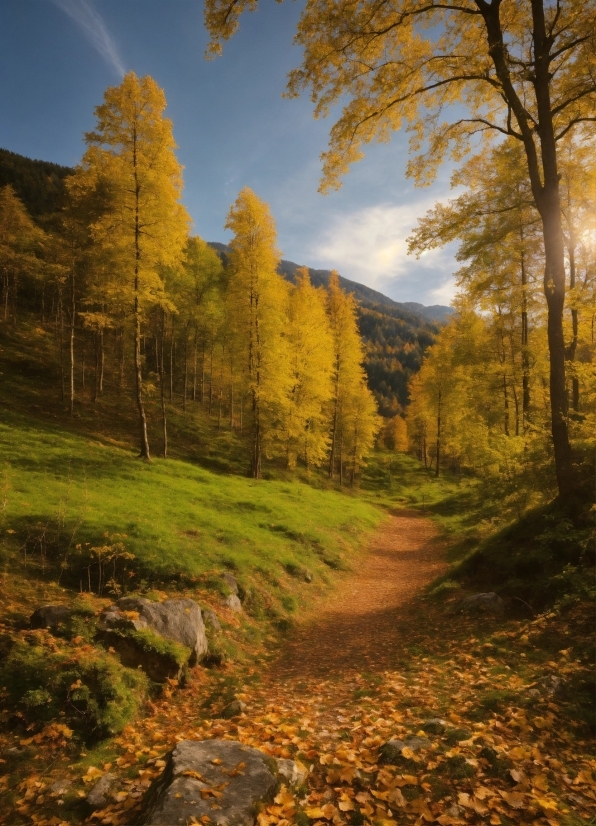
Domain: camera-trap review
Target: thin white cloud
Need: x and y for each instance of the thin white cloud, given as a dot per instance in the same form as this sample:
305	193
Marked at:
94	28
369	245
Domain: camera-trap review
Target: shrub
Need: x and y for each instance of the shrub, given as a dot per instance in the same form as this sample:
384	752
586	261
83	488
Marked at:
85	687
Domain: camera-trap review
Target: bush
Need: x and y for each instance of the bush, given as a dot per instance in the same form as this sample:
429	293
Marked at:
85	687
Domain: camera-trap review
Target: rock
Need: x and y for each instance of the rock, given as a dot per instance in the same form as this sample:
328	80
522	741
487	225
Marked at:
175	797
392	750
551	685
179	620
233	603
99	796
49	616
434	726
159	666
60	787
490	603
210	619
456	811
233	709
231	582
295	774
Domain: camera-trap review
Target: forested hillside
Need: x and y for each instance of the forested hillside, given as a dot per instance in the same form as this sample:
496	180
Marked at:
395	337
39	184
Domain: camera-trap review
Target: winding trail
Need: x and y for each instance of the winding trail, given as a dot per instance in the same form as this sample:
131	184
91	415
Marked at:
355	630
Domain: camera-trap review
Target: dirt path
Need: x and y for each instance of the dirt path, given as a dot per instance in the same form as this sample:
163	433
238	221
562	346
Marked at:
355	630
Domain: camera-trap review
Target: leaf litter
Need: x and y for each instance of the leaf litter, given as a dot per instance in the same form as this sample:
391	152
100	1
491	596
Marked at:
376	662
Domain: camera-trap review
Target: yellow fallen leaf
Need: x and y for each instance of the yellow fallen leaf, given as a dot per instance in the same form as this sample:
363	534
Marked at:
315	814
540	782
346	806
513	799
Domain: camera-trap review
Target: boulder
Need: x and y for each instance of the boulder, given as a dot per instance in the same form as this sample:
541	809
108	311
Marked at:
211	621
99	796
179	620
392	750
295	774
49	616
233	602
160	665
231	582
434	726
233	709
241	776
489	603
60	788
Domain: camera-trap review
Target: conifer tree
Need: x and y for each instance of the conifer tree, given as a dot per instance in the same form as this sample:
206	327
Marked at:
145	227
310	349
258	298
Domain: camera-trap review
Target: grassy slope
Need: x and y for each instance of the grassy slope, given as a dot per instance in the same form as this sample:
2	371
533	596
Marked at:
177	518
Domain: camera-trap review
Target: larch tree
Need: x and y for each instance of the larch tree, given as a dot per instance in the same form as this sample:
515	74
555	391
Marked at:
257	297
519	70
310	350
349	386
145	227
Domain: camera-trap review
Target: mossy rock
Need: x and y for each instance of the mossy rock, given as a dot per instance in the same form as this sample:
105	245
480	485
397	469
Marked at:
159	658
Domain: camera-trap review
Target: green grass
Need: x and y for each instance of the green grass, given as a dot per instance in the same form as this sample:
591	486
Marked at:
61	490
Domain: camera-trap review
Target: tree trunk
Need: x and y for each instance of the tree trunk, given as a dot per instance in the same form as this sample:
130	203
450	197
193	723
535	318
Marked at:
438	465
144	441
162	385
172	362
211	378
185	383
335	420
61	311
194	370
71	349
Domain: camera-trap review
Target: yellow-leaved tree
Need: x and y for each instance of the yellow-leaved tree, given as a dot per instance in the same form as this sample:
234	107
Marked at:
454	71
354	420
144	227
257	298
310	349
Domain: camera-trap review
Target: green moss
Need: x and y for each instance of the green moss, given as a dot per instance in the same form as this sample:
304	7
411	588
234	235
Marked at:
88	689
149	641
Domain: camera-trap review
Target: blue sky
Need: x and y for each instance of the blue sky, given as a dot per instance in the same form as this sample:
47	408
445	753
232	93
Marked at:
231	124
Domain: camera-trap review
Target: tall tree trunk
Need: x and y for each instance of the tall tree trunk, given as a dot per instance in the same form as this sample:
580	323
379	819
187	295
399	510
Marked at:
194	369
172	361
438	465
83	362
544	178
185	382
334	421
144	440
102	360
71	349
525	353
162	384
96	371
61	311
572	348
203	374
211	379
231	394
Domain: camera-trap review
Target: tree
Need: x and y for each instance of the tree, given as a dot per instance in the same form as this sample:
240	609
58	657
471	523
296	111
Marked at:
522	70
258	296
353	414
145	227
311	363
20	240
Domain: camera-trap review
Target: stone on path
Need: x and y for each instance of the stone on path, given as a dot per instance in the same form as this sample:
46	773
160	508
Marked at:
293	773
99	796
489	603
434	726
392	750
241	774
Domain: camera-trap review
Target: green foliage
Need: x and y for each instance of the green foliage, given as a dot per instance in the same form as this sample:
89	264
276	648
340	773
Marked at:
149	641
85	688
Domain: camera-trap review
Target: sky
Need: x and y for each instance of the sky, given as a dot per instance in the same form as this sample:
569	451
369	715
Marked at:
231	124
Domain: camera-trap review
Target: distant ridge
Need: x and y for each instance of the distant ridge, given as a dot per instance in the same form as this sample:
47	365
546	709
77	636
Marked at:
38	184
366	295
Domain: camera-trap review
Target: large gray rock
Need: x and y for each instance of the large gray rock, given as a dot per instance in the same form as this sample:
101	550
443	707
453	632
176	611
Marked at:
231	582
49	616
489	603
220	779
295	774
392	750
211	620
233	602
99	796
179	620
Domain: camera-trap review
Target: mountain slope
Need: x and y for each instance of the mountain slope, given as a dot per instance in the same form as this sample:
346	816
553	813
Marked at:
37	183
